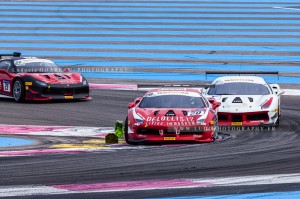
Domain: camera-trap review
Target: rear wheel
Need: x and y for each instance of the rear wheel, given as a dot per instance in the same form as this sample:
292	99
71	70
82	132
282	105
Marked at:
18	91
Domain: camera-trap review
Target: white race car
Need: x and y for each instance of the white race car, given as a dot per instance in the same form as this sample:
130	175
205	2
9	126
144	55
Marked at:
246	101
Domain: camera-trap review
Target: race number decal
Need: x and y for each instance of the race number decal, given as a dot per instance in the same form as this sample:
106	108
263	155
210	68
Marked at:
6	85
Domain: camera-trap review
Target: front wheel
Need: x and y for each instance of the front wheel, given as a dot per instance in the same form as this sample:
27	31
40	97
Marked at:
18	91
126	133
277	122
278	119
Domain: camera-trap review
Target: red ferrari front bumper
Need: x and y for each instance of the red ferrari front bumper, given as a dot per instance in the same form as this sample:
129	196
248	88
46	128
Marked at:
57	93
156	135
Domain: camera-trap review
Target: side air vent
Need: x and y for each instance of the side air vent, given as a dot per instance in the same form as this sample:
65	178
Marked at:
184	113
155	113
224	99
250	99
170	113
47	76
59	77
237	100
68	76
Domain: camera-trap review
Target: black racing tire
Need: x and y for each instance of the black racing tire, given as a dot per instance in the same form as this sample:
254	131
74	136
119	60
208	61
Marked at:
216	128
18	90
126	133
277	122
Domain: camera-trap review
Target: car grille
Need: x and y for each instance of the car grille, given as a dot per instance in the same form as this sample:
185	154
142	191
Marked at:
222	117
191	131
167	132
65	91
260	116
81	90
148	131
237	118
58	91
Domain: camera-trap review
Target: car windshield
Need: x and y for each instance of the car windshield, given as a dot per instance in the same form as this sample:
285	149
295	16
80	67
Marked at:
239	88
172	101
38	66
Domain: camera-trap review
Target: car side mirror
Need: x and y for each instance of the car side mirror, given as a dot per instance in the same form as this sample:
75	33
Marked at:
134	103
214	102
211	100
216	105
137	100
280	92
130	105
204	90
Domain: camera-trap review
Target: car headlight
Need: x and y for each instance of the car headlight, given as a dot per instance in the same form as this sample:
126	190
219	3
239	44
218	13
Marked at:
200	121
40	83
137	118
266	104
202	118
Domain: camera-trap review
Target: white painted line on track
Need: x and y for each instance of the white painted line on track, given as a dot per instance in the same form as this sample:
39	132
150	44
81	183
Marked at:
98	132
292	92
284	8
6	191
30	190
78	131
114	86
255	180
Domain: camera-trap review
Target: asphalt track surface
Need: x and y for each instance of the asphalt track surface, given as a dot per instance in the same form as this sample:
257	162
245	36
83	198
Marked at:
250	153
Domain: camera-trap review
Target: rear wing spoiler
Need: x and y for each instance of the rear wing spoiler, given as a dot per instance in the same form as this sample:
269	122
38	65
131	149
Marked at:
242	73
201	87
174	86
14	54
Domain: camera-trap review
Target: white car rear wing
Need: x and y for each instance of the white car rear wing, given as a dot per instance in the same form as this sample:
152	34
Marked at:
174	85
224	72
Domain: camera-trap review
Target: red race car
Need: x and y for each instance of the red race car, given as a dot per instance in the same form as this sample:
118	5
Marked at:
30	78
171	115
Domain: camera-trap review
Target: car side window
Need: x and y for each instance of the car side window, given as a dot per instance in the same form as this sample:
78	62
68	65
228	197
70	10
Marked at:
5	65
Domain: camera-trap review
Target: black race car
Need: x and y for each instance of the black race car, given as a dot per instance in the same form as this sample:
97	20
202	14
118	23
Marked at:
31	78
